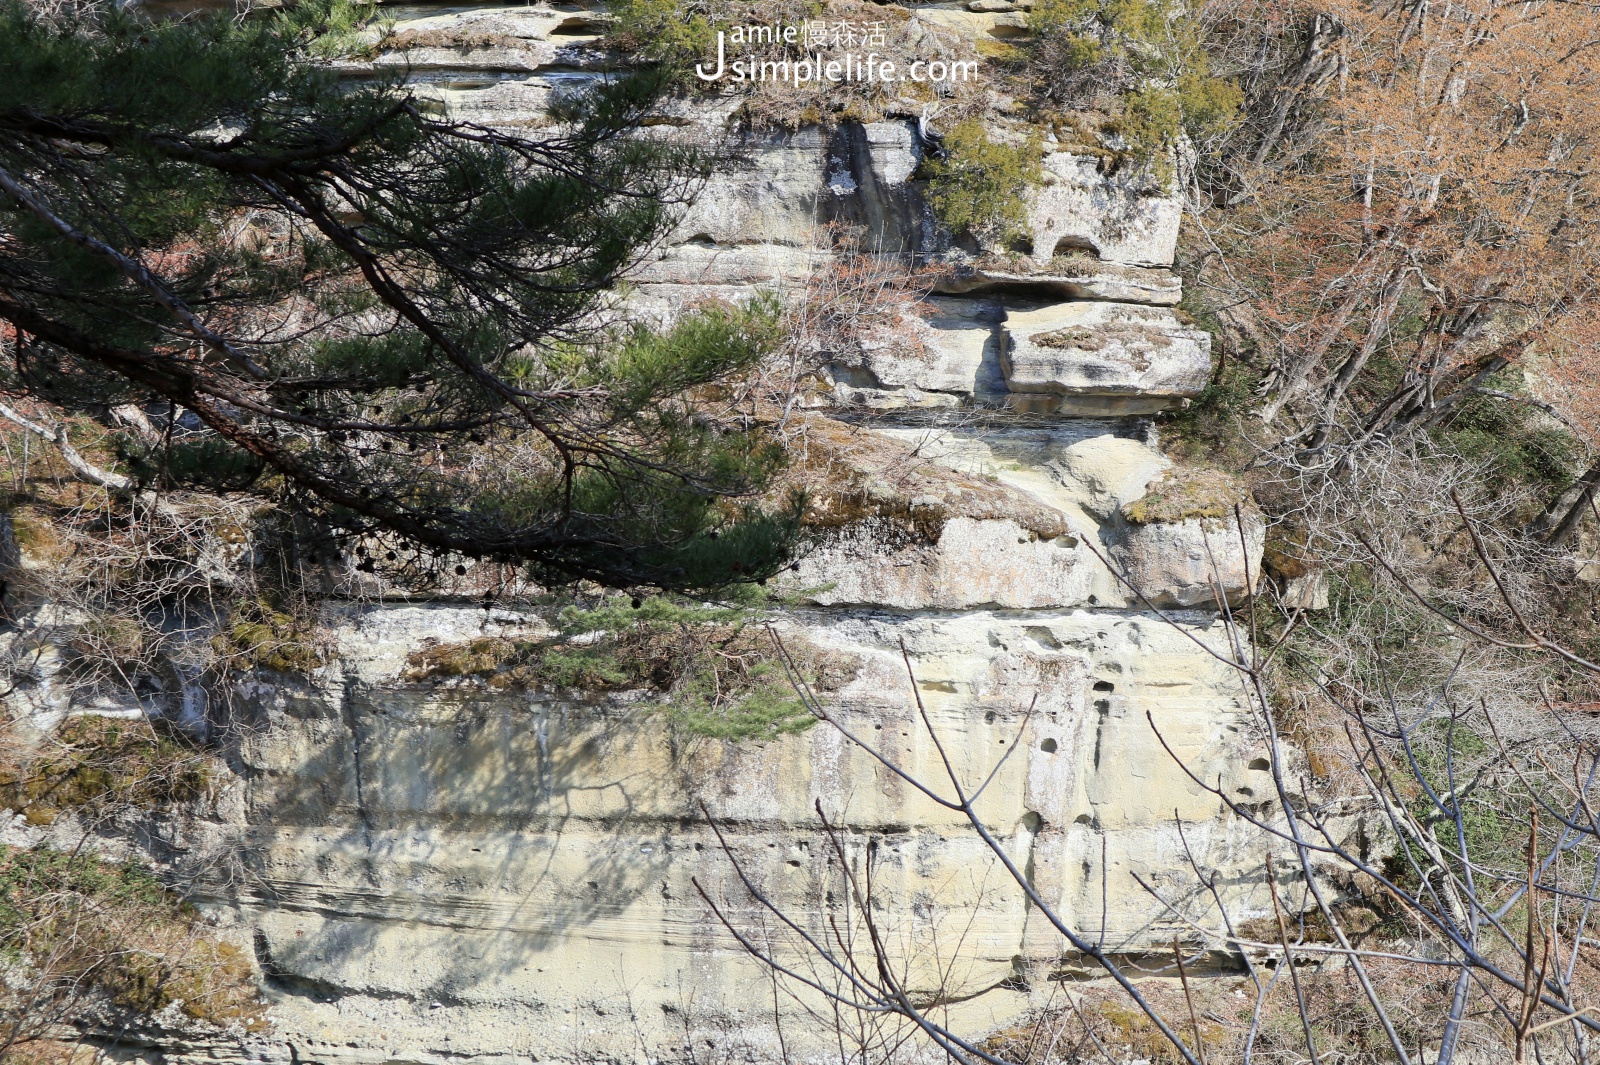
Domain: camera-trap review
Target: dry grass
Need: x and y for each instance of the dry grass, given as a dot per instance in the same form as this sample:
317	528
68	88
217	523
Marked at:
98	943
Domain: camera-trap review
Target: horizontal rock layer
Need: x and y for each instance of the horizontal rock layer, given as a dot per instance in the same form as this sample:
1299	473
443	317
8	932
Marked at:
433	867
447	871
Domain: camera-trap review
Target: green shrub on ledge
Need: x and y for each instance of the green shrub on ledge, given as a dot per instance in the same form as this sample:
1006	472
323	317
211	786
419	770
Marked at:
979	188
1142	61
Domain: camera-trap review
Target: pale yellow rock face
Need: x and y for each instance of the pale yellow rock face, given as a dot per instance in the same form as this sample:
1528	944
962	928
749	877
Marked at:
973	564
1105	349
1185	563
1118	220
432	868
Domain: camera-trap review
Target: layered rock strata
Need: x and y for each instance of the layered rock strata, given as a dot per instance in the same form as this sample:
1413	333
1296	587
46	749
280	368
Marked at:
429	871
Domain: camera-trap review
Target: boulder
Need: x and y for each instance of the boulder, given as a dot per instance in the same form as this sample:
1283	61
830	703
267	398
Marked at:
1308	592
1105	349
995	564
895	527
1194	539
1106	472
953	347
1186	563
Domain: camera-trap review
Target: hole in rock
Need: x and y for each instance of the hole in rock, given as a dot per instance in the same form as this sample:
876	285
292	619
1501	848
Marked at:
1260	763
1104	686
577	26
1048	746
988	717
1070	245
1020	245
702	240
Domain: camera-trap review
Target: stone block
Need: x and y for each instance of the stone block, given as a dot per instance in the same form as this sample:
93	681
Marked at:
1105	349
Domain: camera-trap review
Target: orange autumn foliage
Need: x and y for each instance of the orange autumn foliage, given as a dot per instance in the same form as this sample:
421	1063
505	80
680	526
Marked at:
1412	205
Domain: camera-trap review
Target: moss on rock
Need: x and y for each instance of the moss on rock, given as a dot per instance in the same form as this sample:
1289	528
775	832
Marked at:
716	672
79	922
1187	492
93	764
259	636
853	475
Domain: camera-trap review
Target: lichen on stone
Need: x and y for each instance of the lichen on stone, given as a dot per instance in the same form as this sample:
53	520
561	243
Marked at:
1188	492
1081	339
854	476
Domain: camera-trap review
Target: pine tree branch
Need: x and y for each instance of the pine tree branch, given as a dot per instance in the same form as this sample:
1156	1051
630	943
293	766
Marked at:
86	470
135	271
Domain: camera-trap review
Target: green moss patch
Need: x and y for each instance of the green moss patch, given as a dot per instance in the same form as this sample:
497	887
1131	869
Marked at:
1183	493
258	636
94	764
716	670
35	536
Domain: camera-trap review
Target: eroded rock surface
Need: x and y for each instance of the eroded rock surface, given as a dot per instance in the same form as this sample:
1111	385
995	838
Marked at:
435	871
1106	349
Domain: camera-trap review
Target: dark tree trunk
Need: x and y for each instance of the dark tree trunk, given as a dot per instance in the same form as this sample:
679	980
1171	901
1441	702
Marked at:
1562	517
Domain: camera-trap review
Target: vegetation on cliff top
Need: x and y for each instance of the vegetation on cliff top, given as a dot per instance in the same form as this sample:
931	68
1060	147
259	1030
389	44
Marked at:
1144	64
715	669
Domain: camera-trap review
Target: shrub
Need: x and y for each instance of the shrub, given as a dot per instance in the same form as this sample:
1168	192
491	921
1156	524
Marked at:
979	186
89	933
1520	444
665	31
1144	60
259	636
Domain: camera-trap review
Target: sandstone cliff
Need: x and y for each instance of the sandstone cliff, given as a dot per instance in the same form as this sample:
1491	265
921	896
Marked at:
444	869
